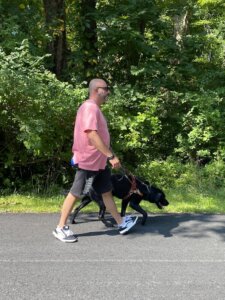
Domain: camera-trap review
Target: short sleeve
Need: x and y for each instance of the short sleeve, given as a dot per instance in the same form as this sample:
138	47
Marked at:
90	117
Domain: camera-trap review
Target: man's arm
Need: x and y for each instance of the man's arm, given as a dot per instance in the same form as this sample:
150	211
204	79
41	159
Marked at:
97	142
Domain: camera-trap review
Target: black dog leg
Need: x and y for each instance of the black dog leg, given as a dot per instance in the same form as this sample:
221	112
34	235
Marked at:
124	206
99	201
138	208
101	214
85	201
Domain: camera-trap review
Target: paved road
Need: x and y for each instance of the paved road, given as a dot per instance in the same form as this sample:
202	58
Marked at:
172	257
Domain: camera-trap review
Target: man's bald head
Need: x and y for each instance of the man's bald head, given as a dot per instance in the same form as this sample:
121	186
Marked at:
95	83
98	90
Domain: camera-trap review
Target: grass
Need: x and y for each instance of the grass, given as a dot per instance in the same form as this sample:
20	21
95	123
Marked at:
194	201
182	200
17	203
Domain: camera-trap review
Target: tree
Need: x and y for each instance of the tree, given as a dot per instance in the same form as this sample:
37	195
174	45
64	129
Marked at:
164	60
37	138
56	26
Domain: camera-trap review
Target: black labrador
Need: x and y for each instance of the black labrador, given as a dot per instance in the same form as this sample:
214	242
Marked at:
131	190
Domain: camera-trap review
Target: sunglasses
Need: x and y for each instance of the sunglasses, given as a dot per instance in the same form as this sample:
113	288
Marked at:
106	88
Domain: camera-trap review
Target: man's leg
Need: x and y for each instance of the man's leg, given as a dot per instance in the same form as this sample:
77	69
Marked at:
111	207
125	224
79	184
67	208
62	232
103	185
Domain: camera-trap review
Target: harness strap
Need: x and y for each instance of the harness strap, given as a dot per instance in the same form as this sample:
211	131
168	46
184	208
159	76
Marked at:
133	189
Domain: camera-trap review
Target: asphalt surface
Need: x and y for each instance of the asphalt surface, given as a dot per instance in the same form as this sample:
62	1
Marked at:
174	256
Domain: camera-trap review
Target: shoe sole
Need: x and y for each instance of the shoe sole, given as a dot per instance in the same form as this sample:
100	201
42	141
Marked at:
63	240
126	230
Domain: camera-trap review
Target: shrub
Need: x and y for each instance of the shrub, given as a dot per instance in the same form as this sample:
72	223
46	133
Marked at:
36	120
169	174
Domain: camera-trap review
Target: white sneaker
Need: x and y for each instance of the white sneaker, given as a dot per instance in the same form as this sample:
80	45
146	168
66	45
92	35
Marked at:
127	217
128	223
65	234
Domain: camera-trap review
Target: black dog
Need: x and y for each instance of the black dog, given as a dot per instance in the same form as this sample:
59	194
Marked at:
131	190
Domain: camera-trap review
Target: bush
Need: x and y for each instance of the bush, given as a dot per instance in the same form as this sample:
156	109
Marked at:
36	120
173	174
161	173
215	174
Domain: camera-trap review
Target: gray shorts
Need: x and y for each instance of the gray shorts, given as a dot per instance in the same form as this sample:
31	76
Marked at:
100	181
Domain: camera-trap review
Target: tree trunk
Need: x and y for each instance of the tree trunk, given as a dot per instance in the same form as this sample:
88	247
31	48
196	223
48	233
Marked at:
56	24
88	35
180	26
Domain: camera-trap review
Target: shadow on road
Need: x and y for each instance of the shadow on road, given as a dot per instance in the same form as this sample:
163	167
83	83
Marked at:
168	225
185	225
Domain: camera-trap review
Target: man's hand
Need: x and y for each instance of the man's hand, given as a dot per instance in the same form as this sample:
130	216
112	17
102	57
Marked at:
115	163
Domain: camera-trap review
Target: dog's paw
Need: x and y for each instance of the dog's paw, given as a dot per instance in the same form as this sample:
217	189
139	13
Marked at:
143	221
107	223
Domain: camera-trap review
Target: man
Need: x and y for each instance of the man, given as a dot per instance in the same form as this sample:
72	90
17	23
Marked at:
91	151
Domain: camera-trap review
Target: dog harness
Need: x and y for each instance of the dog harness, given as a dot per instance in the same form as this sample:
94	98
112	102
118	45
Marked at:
133	189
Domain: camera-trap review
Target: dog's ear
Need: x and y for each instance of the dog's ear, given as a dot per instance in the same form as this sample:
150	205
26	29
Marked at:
157	200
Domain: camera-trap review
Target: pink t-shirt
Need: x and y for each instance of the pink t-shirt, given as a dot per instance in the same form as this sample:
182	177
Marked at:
89	117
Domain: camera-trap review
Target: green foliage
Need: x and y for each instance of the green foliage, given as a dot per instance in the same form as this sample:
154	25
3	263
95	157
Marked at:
162	173
215	174
171	174
23	19
202	126
164	60
37	112
132	120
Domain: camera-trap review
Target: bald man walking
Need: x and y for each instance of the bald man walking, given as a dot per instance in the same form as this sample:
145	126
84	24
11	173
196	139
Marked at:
91	152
